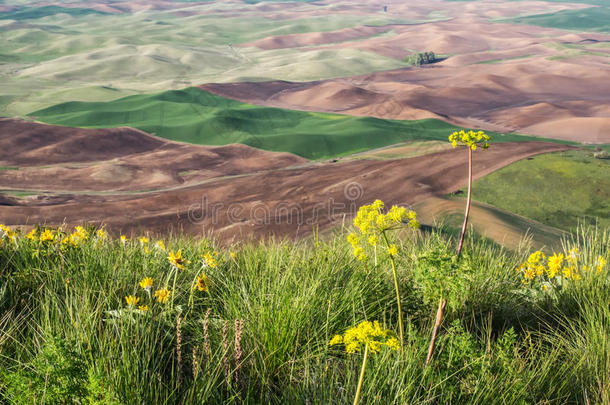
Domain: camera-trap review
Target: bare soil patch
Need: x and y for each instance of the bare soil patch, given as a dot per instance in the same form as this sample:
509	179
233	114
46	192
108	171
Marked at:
56	158
237	192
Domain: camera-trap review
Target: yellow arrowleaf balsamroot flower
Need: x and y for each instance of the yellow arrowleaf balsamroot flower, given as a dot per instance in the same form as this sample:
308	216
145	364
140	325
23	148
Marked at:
554	264
102	234
146	283
176	259
209	260
162	295
47	236
144	243
131	300
365	334
160	245
600	264
560	266
470	139
143	308
31	235
81	233
203	283
79	236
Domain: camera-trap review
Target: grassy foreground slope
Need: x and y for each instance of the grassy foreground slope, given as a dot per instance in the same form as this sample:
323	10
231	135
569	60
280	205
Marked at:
558	189
195	116
260	332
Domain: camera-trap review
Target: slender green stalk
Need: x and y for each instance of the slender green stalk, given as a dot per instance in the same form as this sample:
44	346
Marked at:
173	292
361	379
395	273
459	251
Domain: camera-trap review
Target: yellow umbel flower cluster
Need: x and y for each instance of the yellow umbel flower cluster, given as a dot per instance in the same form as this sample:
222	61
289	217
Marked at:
470	139
372	223
549	270
369	334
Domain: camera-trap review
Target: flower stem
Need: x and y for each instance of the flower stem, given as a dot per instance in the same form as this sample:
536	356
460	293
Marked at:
459	251
437	324
174	288
395	273
361	379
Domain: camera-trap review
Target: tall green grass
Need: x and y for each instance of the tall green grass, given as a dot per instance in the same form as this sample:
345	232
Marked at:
66	331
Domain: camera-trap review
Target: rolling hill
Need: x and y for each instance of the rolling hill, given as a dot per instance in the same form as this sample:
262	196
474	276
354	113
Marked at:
196	116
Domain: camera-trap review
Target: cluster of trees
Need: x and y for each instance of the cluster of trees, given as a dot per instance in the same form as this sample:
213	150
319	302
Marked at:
421	58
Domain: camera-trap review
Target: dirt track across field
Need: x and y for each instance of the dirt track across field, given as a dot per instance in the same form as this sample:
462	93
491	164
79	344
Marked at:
249	194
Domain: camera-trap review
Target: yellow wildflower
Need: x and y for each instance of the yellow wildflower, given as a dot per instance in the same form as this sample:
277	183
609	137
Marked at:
123	239
102	234
369	334
7	232
176	259
146	283
203	283
144	243
554	264
470	139
600	264
131	300
392	343
359	254
81	232
162	295
336	340
393	250
353	239
47	236
31	235
143	308
370	220
160	245
233	255
209	260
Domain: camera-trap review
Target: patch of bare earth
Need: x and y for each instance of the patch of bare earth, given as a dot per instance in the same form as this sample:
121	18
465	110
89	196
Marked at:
496	76
56	158
234	192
